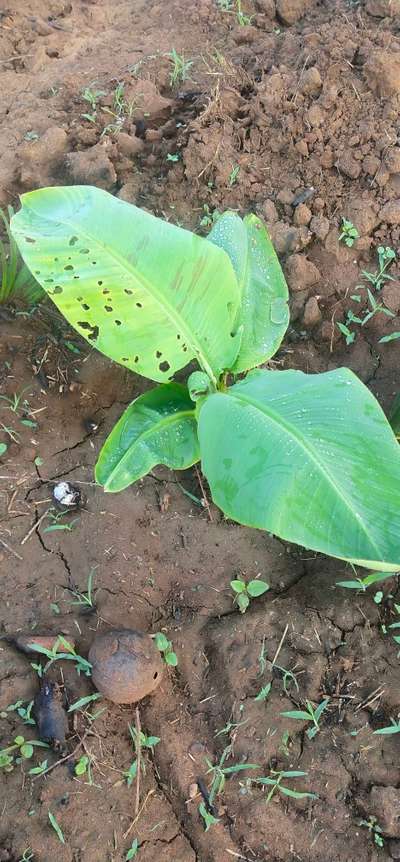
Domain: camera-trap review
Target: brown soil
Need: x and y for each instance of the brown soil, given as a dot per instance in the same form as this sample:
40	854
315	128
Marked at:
304	100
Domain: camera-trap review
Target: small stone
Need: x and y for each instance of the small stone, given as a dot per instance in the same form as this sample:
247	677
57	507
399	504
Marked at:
315	116
371	165
285	196
245	34
384	803
266	6
312	314
319	225
392	160
41	27
302	215
391	296
129	145
301	273
394	848
390	213
348	165
290	11
153	135
270	212
383	9
127	665
311	82
91	167
302	148
284	237
382	72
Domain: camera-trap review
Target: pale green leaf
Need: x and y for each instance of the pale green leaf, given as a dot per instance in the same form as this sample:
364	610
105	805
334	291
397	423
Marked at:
310	458
159	427
263	316
56	827
238	586
146	293
257	588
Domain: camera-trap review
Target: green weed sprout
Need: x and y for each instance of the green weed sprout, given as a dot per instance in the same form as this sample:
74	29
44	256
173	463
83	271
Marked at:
244	592
274	782
133	850
165	646
349	233
311	714
179	67
375	830
219	773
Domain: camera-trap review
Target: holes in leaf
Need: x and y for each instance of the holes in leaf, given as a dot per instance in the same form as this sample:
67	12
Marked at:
164	366
76	276
85	306
129	292
178	337
139	305
105	291
155	675
79	298
108	308
29	239
37	271
118	322
124	359
48	281
58	289
56	260
93	330
73	240
99	283
184	348
158	354
84	250
94	262
69	266
136	359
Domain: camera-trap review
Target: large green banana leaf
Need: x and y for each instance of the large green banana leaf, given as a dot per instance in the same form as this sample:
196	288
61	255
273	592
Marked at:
263	313
310	458
148	294
159	427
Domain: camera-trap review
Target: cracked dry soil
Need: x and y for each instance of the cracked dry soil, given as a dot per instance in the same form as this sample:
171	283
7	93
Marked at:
304	100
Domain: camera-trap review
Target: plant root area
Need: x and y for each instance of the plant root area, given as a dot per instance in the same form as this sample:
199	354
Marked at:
289	109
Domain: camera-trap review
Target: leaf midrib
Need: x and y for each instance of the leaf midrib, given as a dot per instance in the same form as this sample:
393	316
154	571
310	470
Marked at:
301	442
167	420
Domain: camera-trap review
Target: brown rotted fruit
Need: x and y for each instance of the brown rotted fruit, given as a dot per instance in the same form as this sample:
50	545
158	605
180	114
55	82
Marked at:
126	665
50	716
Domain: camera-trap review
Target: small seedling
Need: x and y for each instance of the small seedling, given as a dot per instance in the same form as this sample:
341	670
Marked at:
180	67
349	233
15	402
288	677
230	725
165	646
209	218
386	256
133	850
92	97
374	829
274	781
233	176
3	449
83	701
148	742
362	584
392	337
241	17
56	827
264	692
27	855
23	711
84	598
392	728
312	715
82	765
15	277
173	157
38	770
69	654
225	5
244	592
57	523
219	774
25	752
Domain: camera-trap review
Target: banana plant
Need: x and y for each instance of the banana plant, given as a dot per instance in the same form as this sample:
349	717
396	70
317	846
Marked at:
310	458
